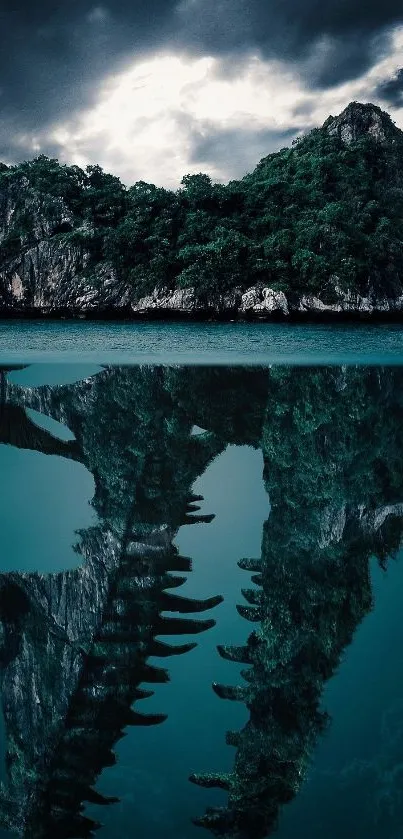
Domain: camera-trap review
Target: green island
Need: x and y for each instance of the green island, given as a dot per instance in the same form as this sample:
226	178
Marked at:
316	230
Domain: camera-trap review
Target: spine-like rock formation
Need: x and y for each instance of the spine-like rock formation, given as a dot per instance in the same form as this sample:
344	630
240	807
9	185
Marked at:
74	646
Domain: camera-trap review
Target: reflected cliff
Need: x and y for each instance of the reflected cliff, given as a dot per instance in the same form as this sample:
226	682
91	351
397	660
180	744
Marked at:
75	646
332	442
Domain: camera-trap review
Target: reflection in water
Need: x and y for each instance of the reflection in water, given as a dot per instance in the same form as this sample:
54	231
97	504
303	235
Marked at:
75	646
332	445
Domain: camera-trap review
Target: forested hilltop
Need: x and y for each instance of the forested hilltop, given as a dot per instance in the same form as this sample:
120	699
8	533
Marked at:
315	228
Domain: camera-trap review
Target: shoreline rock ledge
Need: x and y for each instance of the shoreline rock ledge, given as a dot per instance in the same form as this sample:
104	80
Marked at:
254	301
262	302
257	303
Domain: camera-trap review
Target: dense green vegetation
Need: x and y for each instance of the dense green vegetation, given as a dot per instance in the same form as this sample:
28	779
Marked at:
311	217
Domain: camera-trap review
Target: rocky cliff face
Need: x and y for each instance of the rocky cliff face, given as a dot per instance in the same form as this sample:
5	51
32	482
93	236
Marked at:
46	263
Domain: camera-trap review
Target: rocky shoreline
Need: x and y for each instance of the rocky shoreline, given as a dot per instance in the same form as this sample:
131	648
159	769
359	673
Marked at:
255	304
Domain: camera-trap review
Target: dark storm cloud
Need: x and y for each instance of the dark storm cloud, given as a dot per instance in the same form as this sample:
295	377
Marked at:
235	150
54	54
331	40
391	90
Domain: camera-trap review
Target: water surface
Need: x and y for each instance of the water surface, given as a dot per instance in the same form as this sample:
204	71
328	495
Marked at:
195	343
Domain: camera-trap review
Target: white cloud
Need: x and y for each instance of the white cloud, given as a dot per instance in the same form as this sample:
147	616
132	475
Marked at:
142	125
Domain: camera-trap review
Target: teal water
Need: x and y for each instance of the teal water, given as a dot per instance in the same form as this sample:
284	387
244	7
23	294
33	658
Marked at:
194	343
129	496
62	491
359	762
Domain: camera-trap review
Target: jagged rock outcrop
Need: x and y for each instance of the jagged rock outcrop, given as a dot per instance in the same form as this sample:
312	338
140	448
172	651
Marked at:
265	301
254	301
347	302
358	120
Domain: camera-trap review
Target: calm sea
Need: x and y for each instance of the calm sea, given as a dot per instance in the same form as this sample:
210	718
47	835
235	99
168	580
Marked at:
195	343
201	581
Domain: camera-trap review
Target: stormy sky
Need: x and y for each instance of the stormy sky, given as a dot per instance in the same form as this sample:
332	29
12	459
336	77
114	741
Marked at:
155	89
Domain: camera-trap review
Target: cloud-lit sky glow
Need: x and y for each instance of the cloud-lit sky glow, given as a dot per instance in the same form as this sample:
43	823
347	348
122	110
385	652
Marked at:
192	86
